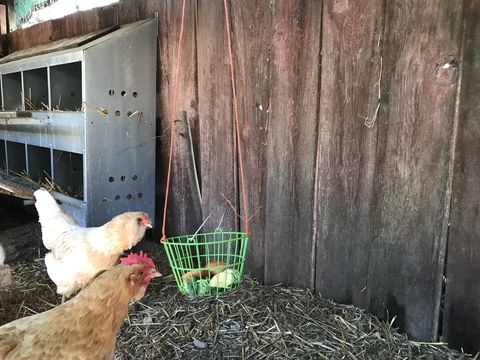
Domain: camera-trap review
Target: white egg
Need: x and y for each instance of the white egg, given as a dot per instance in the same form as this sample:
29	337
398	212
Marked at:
224	279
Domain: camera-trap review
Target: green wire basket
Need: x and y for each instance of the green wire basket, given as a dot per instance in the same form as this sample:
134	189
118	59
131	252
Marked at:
208	264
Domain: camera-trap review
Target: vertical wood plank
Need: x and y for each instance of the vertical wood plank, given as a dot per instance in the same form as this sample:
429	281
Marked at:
252	29
3	19
217	152
461	327
78	23
420	84
35	35
181	217
351	68
3	30
291	142
108	16
131	10
396	197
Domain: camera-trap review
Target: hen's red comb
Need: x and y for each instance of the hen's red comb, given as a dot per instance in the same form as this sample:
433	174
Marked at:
134	258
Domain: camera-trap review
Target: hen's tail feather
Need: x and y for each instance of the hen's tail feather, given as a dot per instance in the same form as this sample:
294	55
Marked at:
45	203
2	255
52	218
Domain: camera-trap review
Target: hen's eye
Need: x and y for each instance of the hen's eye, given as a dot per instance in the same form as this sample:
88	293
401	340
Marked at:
139	220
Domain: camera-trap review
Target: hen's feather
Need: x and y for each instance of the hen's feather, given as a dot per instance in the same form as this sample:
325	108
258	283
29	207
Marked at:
77	253
2	255
82	328
52	218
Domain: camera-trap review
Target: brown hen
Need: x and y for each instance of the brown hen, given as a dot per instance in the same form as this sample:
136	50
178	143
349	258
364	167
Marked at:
85	327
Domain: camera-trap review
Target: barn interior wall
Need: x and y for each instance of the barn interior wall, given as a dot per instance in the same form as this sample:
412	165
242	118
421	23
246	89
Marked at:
357	124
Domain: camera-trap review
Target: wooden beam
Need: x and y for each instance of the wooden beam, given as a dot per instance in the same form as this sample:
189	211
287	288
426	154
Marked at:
291	142
461	321
252	35
217	152
3	31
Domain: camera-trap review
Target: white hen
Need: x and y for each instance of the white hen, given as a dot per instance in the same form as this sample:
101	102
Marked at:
78	253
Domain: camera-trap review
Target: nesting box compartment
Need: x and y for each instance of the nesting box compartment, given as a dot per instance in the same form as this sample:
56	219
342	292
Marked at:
3	155
35	89
12	91
16	159
66	85
83	116
39	162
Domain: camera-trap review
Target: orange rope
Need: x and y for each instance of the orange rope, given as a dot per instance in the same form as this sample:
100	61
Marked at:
237	128
174	111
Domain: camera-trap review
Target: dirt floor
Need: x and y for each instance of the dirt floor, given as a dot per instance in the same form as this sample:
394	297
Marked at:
252	322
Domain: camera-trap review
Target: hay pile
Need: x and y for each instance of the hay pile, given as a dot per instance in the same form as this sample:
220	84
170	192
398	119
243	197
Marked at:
254	322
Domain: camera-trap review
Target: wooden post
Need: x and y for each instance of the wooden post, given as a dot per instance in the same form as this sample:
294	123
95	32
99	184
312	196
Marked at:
3	30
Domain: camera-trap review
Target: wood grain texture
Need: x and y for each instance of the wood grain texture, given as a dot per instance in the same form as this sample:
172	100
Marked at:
413	155
131	10
291	142
217	153
360	212
3	30
351	69
78	23
252	30
181	218
461	326
35	35
394	231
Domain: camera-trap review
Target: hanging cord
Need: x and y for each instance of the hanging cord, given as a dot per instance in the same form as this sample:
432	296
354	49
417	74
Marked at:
174	111
237	128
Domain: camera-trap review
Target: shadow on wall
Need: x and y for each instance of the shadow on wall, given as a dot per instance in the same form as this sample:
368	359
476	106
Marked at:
397	310
461	321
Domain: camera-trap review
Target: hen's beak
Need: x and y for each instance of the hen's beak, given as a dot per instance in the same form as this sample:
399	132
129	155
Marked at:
156	274
148	225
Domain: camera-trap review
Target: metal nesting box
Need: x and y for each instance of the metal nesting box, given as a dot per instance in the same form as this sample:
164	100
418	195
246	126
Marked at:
85	116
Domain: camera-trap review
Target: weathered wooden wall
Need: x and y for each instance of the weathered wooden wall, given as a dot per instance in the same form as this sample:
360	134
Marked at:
382	188
461	320
349	116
